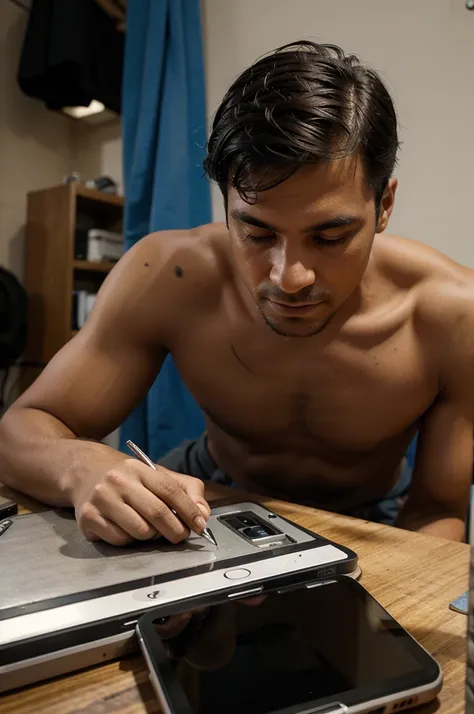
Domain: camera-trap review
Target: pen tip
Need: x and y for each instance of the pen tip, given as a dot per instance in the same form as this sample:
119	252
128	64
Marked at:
210	536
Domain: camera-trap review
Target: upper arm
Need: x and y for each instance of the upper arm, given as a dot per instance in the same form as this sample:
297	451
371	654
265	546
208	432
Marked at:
443	467
444	462
99	376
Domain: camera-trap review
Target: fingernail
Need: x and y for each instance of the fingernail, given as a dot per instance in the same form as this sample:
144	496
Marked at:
200	523
203	509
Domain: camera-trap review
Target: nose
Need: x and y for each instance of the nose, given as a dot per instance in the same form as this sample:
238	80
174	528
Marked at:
289	272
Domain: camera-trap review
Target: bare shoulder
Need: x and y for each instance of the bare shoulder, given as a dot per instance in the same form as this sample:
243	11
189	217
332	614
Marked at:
441	292
178	254
161	285
437	283
164	278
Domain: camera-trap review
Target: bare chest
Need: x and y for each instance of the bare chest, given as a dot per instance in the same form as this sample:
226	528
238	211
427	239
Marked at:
325	397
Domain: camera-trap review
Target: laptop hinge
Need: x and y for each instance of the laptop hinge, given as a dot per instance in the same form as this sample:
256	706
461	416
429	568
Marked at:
333	708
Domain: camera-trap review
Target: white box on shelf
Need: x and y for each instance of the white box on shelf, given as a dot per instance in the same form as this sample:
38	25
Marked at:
104	245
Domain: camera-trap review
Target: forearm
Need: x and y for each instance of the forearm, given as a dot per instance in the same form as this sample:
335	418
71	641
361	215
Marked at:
449	527
43	458
446	526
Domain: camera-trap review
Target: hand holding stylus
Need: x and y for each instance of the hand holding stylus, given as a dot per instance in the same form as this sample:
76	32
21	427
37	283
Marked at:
206	532
125	500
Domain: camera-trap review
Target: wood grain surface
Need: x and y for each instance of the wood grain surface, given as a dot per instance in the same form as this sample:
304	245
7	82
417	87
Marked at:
414	576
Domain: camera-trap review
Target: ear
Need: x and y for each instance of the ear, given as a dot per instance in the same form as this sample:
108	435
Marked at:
225	196
386	204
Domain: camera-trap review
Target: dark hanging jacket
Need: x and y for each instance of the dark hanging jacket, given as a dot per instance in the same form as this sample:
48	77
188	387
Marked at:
72	53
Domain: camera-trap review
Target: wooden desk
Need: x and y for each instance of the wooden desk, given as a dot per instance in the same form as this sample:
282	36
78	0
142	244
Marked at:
414	576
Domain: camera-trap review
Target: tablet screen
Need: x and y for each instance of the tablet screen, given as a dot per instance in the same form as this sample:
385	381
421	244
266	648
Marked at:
305	646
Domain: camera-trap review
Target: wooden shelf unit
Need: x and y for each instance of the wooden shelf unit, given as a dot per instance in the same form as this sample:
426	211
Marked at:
97	196
89	266
51	270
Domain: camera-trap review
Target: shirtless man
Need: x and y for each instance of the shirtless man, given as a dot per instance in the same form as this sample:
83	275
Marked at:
316	347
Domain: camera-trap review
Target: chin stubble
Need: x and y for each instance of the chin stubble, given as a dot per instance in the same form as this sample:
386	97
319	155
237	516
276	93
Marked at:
274	327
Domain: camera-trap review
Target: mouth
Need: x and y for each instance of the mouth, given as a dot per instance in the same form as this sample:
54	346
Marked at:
294	309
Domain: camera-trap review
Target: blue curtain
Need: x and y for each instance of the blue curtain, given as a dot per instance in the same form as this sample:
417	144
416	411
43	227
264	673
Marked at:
164	135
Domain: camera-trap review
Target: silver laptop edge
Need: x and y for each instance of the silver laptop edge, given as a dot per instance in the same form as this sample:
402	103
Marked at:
76	614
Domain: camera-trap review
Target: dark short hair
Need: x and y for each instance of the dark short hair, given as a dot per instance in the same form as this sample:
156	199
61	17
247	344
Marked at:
303	103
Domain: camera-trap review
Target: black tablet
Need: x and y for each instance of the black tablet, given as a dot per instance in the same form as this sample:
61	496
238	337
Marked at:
328	647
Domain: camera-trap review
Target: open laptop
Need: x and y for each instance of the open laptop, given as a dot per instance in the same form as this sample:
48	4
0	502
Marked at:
67	603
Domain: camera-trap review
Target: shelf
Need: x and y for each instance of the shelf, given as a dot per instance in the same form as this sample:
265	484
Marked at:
102	196
92	266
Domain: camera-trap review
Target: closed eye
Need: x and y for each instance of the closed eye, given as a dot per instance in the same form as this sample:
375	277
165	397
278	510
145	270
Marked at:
330	241
319	240
268	238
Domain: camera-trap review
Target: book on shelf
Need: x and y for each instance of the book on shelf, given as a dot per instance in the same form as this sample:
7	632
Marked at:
82	304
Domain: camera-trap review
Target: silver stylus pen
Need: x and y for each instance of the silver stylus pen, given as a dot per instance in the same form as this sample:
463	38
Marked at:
207	533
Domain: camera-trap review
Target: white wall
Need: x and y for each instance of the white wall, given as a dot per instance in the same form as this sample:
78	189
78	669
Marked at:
39	147
97	151
424	49
34	142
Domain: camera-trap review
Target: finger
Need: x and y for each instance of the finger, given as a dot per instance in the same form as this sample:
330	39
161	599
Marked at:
173	626
170	495
194	487
214	645
155	512
103	529
127	518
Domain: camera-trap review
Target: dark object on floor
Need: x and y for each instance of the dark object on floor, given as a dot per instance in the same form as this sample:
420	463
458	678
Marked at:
72	54
13	318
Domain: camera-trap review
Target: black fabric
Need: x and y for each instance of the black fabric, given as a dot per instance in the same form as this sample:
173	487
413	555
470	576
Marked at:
192	458
13	318
72	53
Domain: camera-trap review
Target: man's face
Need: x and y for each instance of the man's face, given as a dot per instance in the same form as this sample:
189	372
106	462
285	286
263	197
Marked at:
303	247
